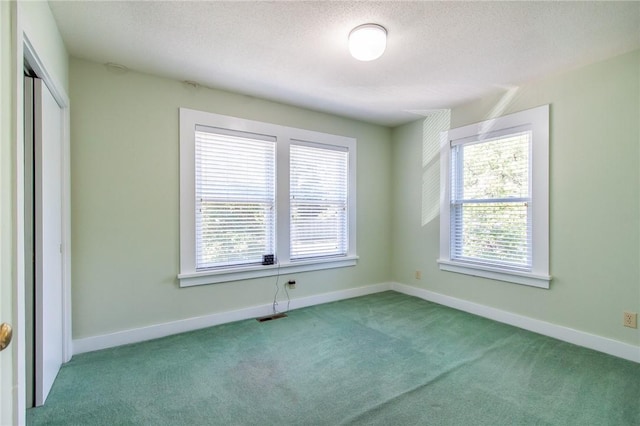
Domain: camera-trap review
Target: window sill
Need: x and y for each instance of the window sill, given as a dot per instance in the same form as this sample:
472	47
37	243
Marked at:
259	271
524	278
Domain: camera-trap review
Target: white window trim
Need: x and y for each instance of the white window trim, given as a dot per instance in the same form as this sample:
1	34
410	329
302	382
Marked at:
538	120
188	275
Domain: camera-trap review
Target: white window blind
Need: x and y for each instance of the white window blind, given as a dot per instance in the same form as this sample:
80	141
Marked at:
491	201
235	197
241	200
319	182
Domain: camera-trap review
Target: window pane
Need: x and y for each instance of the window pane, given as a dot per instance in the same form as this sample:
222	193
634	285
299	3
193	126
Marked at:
497	169
490	221
319	208
235	199
497	233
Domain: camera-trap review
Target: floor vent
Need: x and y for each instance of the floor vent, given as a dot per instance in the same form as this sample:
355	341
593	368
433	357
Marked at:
271	317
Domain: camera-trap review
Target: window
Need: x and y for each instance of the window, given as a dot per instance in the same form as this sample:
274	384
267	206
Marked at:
319	201
494	216
235	198
250	189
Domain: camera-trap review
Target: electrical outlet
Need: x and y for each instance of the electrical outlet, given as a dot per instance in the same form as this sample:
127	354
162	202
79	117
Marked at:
418	275
630	319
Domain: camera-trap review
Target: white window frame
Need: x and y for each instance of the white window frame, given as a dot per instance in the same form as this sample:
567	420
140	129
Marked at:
284	136
537	120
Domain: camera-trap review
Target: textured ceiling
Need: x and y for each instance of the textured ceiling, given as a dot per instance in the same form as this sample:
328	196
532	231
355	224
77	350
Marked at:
439	54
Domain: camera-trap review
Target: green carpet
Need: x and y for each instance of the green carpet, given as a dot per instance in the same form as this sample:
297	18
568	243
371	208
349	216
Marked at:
383	359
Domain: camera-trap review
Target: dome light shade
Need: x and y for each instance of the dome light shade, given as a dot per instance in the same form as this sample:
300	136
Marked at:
367	42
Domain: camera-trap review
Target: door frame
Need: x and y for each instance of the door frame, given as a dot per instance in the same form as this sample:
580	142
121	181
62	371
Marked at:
31	58
26	51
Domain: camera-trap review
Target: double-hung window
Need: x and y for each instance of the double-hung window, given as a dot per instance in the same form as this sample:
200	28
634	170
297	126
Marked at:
319	193
494	216
258	199
235	197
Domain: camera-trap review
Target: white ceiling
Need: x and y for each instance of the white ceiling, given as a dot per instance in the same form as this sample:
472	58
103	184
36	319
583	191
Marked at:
439	54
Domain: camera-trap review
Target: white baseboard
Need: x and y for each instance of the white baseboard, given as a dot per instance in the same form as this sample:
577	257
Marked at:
334	296
94	343
580	338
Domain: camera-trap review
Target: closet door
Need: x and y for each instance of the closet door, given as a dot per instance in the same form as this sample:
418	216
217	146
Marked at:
48	240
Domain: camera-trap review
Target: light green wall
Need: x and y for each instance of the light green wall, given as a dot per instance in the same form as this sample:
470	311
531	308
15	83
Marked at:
124	173
125	205
594	202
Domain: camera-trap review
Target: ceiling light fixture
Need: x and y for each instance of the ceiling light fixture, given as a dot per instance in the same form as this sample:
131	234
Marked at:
367	42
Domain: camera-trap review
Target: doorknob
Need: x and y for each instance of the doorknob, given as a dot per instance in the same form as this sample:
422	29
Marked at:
5	335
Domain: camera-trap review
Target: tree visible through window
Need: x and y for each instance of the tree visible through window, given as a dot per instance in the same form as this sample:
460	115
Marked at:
494	211
490	201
